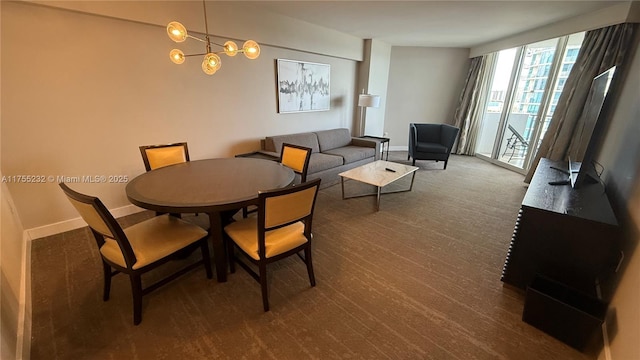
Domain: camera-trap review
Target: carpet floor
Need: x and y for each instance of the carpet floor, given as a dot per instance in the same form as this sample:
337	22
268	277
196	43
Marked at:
419	279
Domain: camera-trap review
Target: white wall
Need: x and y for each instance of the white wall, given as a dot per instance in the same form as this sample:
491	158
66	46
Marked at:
380	62
373	78
612	15
82	92
424	87
231	19
13	278
620	157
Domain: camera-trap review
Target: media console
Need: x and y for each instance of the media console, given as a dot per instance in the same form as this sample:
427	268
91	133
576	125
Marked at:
565	234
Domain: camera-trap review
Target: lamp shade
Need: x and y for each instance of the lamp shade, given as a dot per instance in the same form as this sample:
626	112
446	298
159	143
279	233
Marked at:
177	56
211	63
366	100
230	48
176	31
251	49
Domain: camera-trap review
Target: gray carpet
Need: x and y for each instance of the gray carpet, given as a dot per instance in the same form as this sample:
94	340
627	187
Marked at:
420	279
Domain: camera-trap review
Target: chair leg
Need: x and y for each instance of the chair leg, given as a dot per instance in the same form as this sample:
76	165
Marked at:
263	286
307	256
106	268
206	258
414	162
245	212
445	164
136	289
231	256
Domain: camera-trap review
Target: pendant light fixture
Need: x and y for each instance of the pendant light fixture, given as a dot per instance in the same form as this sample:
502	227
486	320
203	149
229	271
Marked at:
211	61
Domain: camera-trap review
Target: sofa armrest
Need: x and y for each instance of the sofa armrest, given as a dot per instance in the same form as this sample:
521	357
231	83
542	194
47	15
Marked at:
376	144
448	135
270	153
261	154
413	137
364	142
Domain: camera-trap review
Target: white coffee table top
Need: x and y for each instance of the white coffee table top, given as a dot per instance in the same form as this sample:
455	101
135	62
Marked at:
374	173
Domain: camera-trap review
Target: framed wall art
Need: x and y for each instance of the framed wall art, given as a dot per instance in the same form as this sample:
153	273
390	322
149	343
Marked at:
303	86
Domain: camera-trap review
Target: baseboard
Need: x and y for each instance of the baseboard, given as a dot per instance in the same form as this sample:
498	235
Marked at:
23	344
399	148
76	223
607	348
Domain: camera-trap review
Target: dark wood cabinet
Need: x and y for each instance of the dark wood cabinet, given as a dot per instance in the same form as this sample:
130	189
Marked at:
565	234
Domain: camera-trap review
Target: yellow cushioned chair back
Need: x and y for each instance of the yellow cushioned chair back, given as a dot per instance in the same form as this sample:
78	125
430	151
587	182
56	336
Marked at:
294	158
289	207
92	217
165	156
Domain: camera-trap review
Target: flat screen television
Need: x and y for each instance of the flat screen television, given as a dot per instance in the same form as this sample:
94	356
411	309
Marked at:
591	131
581	168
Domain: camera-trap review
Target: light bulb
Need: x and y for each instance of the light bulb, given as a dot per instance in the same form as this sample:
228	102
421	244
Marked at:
230	48
251	49
211	63
177	56
176	31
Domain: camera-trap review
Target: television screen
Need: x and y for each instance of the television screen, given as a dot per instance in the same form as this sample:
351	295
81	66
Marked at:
589	132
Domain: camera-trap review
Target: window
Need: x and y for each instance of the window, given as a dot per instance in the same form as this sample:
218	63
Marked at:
522	99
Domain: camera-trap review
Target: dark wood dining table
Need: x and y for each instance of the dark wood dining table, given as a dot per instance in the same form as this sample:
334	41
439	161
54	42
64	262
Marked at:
212	186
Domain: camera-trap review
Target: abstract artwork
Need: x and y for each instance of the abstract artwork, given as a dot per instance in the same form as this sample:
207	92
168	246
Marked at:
303	86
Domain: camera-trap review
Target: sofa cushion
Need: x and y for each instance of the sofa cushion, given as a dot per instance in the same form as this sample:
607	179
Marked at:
352	153
334	138
424	147
319	162
274	143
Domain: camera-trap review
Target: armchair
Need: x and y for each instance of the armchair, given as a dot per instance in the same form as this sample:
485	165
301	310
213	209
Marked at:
431	142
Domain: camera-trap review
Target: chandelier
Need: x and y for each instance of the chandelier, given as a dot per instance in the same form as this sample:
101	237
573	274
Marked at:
211	61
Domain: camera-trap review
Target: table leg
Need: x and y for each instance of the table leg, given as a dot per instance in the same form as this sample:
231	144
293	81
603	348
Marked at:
342	183
378	198
219	251
413	176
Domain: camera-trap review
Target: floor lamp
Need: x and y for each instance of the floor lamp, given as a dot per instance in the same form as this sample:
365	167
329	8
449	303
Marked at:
365	101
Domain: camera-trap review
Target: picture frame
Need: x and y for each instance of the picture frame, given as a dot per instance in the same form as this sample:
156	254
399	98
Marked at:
303	86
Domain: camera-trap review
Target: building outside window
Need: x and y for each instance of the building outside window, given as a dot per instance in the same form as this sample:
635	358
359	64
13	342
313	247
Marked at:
521	100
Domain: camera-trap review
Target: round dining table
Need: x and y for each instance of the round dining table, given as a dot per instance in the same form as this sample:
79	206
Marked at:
212	186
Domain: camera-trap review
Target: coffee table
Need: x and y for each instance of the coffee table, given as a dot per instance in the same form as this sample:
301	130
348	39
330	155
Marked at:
378	174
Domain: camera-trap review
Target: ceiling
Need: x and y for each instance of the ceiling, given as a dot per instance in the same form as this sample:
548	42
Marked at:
450	23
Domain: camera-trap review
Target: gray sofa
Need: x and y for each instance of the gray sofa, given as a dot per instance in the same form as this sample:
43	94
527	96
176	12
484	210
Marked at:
333	151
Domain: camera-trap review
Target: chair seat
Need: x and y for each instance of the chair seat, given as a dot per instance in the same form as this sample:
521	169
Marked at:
431	148
154	239
245	234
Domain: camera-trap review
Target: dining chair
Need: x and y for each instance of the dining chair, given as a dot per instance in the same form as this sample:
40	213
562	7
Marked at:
157	156
281	229
296	158
140	248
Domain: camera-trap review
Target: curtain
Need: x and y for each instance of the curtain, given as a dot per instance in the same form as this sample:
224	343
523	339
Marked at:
469	105
600	50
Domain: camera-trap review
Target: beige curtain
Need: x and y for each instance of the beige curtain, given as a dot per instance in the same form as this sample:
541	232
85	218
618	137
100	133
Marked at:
466	116
600	50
